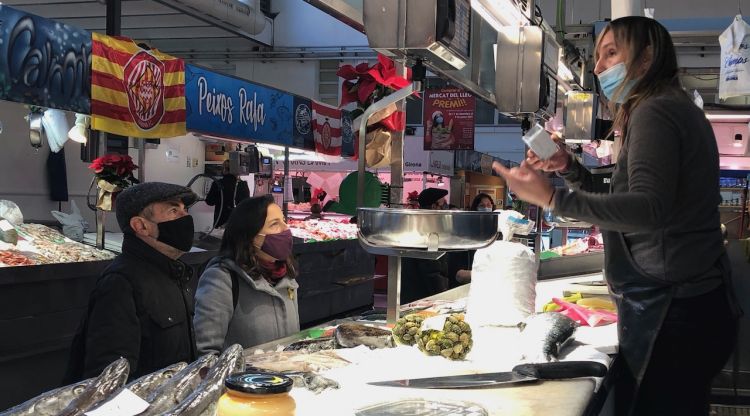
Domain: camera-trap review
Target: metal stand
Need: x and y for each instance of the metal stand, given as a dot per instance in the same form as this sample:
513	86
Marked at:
394	272
100	214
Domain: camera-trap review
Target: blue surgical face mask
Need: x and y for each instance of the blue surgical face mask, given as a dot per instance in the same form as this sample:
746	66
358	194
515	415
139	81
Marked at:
611	79
484	209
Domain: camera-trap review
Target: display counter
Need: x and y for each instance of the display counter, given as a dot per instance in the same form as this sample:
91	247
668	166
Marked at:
566	397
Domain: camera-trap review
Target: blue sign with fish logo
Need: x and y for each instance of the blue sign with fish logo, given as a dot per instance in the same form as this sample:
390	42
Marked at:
229	107
43	62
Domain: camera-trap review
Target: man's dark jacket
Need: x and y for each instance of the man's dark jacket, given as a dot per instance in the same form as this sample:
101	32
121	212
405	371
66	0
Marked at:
140	309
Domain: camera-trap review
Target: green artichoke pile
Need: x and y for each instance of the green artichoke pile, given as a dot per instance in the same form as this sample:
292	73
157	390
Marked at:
453	342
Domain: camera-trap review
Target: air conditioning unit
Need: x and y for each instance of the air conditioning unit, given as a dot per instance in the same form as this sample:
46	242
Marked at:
241	18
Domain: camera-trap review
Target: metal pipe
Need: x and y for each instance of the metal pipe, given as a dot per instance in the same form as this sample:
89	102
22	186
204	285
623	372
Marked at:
285	206
560	22
394	289
374	108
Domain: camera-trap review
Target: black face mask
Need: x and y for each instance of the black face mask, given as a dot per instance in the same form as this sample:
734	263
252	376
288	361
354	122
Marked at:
177	233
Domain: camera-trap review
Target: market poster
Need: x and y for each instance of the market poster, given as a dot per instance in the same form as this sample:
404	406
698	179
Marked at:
44	63
136	92
448	119
229	107
303	134
327	129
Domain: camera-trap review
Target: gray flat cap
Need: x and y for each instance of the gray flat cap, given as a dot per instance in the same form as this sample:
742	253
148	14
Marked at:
134	199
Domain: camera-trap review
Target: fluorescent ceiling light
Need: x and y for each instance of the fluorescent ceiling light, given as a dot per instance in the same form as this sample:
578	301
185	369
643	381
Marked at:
499	13
564	72
728	117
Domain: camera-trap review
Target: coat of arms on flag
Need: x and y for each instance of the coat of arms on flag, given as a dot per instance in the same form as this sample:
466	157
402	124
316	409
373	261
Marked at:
327	129
136	92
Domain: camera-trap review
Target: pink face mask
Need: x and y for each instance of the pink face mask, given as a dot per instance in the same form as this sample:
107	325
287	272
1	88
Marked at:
278	246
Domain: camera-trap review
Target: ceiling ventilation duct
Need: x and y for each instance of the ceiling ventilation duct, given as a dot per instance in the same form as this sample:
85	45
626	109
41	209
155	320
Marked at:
243	18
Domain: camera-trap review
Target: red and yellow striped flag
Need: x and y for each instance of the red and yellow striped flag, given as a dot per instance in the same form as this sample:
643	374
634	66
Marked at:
135	92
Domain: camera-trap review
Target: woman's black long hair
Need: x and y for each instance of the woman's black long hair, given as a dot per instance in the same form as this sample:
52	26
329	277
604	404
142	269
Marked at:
244	224
478	199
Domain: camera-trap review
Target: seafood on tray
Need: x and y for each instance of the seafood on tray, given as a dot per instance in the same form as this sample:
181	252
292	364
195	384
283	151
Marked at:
179	389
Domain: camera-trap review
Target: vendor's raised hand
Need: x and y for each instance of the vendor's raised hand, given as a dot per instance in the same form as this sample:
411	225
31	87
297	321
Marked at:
560	161
527	183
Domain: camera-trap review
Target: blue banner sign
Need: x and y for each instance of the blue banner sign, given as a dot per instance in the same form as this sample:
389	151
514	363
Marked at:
43	62
224	106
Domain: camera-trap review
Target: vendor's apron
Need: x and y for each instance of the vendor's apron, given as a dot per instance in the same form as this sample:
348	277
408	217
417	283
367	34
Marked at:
642	303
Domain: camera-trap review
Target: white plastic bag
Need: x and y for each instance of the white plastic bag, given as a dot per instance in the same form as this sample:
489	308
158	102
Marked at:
73	224
11	212
503	285
734	78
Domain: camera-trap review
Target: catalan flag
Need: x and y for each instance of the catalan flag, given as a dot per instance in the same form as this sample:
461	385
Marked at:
136	92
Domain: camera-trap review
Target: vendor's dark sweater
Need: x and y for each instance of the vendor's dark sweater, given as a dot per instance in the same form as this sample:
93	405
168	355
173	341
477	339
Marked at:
665	195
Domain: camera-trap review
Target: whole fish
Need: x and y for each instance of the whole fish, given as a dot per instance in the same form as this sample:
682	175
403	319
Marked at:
49	403
312	345
109	381
203	399
144	385
174	390
350	335
147	384
543	335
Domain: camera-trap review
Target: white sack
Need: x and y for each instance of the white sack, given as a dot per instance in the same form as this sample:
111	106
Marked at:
503	285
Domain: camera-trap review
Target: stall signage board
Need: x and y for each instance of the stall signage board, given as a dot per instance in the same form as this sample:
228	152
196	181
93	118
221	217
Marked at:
347	134
44	63
343	165
224	106
441	162
448	119
415	158
303	131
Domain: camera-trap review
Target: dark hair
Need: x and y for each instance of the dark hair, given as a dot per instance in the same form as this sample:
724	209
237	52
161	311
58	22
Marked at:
642	38
244	224
478	199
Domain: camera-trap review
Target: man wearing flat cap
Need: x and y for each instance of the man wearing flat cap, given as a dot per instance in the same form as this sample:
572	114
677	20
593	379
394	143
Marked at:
141	307
420	277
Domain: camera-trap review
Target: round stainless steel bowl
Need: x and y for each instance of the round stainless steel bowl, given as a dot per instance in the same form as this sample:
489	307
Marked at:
427	229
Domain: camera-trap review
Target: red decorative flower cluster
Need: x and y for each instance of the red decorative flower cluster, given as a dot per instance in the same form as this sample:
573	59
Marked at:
115	169
367	84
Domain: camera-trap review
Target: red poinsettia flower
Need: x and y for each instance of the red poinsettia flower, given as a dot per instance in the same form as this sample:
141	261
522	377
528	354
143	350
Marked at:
114	168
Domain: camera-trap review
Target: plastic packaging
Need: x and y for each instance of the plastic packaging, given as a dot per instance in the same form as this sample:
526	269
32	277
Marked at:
585	316
421	407
257	394
734	75
540	142
73	224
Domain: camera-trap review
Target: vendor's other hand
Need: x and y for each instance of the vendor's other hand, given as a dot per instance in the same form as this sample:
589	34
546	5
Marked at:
527	183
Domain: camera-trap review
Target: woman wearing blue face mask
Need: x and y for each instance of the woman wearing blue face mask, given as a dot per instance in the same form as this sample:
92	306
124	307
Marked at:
248	295
665	260
483	203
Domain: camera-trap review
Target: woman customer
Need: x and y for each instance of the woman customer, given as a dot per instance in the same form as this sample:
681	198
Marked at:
459	263
483	203
666	265
247	295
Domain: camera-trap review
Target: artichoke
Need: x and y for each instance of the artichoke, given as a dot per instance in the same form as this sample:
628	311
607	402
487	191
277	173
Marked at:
406	329
453	342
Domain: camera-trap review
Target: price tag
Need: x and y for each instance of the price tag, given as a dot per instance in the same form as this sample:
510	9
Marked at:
126	403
